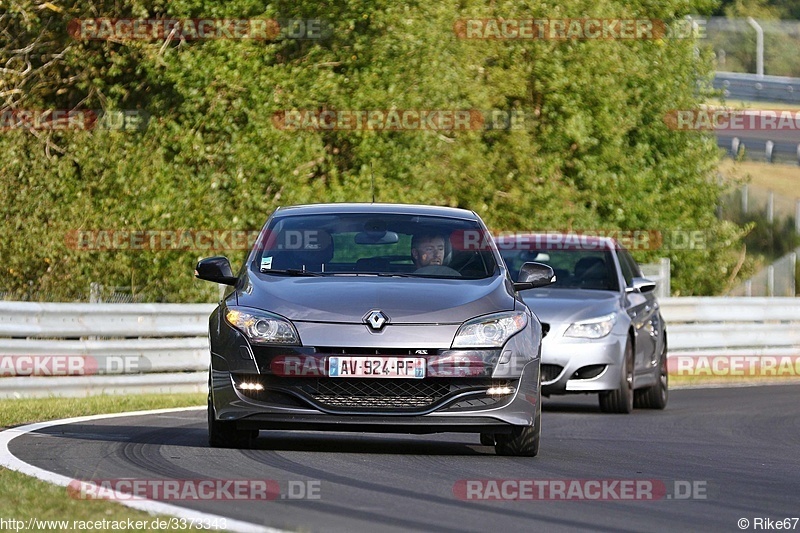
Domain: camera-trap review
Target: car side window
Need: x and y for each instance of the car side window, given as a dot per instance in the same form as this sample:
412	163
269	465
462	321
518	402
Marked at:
637	272
630	269
627	269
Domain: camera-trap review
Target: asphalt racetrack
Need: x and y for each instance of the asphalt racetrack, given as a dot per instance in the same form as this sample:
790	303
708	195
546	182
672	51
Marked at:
712	458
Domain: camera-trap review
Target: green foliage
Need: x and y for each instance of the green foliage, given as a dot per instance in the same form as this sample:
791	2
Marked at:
595	153
785	9
769	239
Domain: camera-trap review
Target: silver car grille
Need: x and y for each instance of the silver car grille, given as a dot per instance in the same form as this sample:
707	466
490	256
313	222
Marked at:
551	372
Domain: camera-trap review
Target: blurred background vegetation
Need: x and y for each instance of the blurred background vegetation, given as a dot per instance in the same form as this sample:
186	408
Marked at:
597	154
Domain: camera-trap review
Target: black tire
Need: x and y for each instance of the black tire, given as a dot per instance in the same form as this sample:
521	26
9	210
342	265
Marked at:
523	441
487	439
655	397
225	434
621	400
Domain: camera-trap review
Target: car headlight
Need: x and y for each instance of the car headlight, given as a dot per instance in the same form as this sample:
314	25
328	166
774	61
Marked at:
491	331
595	328
261	327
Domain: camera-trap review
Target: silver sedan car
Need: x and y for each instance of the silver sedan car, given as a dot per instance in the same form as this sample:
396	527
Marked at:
374	317
603	328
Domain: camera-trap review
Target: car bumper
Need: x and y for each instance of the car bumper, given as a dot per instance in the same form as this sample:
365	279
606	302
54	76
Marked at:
306	398
569	365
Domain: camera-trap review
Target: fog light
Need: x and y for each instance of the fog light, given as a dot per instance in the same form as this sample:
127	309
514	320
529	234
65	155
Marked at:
588	372
499	391
251	386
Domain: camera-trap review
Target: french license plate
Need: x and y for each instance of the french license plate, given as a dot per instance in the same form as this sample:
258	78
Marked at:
376	367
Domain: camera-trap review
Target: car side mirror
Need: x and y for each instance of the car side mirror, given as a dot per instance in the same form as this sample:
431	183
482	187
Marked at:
216	269
532	275
641	285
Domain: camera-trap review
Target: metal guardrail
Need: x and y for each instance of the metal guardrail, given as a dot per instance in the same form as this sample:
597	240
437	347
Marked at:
136	348
717	325
108	348
739	86
31	319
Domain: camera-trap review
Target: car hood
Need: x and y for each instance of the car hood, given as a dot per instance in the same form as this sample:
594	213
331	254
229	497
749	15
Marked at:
555	306
347	299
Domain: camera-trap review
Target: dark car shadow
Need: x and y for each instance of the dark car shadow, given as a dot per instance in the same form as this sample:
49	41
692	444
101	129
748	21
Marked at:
578	403
195	435
457	444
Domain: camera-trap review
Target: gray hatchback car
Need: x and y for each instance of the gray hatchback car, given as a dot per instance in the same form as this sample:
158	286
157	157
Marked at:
375	317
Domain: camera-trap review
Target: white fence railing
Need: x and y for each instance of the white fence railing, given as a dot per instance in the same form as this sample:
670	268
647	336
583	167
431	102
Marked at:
724	324
81	349
102	348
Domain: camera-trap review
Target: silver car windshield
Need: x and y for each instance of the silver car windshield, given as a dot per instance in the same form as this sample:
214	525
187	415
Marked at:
377	245
574	268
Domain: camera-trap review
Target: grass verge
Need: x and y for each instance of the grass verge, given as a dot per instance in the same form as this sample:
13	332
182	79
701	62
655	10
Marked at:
686	382
23	497
749	104
783	180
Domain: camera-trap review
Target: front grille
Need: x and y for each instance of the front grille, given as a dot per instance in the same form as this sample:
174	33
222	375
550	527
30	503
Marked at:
551	372
379	394
369	395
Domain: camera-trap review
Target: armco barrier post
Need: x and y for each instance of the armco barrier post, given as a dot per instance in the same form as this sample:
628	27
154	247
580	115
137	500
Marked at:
771	207
797	215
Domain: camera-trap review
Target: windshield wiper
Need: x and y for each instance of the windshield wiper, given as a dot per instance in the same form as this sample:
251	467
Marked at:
379	274
291	272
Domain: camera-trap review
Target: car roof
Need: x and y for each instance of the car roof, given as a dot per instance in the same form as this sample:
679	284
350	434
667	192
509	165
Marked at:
557	241
375	208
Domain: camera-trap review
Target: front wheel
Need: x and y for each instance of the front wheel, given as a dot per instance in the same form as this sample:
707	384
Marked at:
523	441
225	434
621	399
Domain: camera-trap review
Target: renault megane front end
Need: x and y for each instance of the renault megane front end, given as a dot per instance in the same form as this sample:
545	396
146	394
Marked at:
374	317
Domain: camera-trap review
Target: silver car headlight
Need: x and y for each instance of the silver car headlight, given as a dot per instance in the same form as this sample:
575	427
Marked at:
491	331
594	328
261	327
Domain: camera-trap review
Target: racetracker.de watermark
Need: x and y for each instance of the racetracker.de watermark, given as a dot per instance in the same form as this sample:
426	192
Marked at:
71	119
753	366
579	490
398	120
634	240
71	365
730	120
103	240
578	29
195	489
194	29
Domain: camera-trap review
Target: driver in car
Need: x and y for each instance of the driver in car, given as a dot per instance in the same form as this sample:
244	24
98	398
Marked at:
427	250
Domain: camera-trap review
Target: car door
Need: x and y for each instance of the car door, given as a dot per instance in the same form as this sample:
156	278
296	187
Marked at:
643	310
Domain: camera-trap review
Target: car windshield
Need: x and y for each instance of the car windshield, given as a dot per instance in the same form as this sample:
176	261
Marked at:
574	268
372	244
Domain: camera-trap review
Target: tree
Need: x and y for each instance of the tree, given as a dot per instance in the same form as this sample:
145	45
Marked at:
595	151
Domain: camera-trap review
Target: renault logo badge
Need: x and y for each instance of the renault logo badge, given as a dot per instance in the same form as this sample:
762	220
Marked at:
376	319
